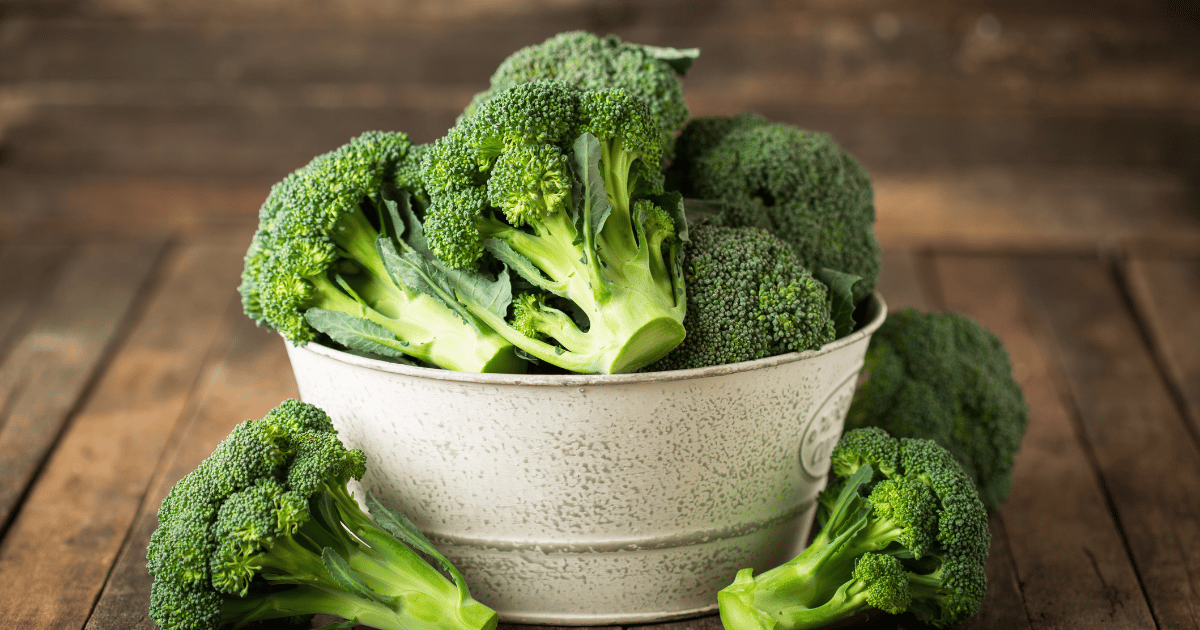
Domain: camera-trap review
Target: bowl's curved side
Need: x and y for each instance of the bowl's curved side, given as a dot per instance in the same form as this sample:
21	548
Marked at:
629	500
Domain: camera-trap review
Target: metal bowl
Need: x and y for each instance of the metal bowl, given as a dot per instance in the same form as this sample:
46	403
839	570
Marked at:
598	499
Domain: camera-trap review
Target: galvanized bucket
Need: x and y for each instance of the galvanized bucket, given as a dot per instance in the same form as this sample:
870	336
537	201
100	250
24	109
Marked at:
598	499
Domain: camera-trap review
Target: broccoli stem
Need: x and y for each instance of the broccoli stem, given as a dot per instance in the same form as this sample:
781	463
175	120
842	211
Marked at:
432	332
408	594
793	597
615	165
632	330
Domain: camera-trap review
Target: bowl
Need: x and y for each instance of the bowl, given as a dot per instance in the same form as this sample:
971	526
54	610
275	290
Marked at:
598	499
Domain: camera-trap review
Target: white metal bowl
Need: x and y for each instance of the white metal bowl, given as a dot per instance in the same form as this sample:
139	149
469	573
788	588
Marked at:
598	499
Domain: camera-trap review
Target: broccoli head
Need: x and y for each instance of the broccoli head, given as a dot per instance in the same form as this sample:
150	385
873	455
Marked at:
649	73
331	255
748	298
796	184
265	528
904	531
561	185
944	377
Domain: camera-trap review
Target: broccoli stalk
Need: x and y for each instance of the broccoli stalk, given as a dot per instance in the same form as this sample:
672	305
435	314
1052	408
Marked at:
906	532
265	528
562	186
324	259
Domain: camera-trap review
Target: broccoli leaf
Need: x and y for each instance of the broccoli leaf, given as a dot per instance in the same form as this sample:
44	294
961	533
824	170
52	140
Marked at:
402	528
680	60
841	298
592	202
493	295
356	333
349	580
523	266
423	274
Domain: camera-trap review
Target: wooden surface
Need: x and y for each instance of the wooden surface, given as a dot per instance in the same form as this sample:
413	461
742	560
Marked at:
1035	165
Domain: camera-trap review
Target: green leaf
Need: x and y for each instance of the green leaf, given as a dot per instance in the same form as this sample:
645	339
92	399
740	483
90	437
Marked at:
493	295
523	266
680	60
841	299
591	197
424	274
408	227
393	208
399	526
673	203
349	579
356	333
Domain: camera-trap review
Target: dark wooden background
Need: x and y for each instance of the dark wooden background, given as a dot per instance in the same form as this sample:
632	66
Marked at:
1036	165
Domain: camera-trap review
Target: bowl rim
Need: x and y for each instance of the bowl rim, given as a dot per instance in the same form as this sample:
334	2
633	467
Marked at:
877	305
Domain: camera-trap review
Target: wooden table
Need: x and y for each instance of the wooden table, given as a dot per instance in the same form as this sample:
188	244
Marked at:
1035	168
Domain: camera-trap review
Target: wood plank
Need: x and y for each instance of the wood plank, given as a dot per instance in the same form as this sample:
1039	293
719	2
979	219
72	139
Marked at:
53	363
1068	554
1166	294
900	281
31	268
226	141
248	379
242	130
59	550
1148	461
904	284
1030	210
901	59
130	207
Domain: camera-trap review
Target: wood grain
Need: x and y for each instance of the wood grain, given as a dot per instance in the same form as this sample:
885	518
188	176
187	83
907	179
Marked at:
55	360
904	284
246	379
1147	460
96	207
32	267
1166	294
1067	550
84	504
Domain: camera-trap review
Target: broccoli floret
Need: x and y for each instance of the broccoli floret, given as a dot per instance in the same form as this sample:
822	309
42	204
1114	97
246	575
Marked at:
334	253
944	377
913	539
265	528
649	73
748	298
797	184
561	185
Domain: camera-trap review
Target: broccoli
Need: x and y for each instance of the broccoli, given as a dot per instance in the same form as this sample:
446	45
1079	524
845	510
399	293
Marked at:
796	184
906	532
266	529
331	255
944	377
748	298
562	186
648	73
